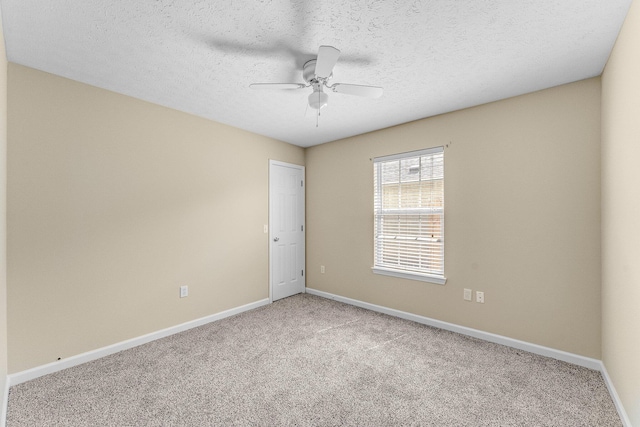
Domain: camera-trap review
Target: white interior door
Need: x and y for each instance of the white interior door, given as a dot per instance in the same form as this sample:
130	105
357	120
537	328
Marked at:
286	229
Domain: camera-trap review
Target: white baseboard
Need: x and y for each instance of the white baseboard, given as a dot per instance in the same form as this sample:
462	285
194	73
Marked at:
575	359
614	396
29	374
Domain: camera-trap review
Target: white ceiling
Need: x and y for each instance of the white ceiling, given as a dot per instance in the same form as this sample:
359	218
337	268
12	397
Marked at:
199	56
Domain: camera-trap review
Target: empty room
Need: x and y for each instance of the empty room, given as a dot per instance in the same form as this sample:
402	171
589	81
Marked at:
363	213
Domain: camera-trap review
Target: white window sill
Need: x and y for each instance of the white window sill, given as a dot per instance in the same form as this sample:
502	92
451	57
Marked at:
409	275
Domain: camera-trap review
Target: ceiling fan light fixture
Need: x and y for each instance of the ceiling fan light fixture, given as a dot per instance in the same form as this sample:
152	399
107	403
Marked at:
318	99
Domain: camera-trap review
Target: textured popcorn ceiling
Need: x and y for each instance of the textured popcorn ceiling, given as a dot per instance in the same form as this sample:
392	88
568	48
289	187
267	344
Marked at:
200	56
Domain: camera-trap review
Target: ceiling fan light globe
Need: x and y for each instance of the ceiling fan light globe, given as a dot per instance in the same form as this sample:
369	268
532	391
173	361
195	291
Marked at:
317	100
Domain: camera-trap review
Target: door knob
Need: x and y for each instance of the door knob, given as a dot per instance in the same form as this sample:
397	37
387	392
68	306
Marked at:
275	239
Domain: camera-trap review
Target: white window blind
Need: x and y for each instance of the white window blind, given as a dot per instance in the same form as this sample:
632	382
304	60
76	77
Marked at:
409	214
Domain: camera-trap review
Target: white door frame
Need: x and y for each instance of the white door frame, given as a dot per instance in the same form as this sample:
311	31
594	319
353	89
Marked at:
271	225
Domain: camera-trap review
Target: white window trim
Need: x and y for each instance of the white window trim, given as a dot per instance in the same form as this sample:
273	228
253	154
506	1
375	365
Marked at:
438	280
410	275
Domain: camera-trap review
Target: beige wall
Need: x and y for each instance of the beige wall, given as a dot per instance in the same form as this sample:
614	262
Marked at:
113	203
522	217
621	215
3	216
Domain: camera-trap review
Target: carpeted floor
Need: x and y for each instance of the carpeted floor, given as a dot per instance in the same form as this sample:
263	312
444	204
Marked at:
308	361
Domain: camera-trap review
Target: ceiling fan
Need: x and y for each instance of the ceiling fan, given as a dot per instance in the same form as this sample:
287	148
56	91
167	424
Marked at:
317	73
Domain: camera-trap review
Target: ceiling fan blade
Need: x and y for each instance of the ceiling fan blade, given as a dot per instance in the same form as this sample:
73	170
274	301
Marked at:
327	58
359	90
277	86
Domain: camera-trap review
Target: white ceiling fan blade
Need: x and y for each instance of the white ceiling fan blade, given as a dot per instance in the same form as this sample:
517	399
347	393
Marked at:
327	58
277	86
359	90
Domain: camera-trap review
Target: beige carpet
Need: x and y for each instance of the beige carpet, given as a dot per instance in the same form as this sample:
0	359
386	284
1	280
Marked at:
308	361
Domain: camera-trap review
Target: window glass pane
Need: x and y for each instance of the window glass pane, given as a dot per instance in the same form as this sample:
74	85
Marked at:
390	172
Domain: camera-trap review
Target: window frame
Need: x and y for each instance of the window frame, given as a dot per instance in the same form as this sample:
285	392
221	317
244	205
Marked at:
402	273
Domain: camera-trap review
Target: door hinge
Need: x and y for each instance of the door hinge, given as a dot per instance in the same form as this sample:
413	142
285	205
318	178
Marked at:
302	272
302	228
301	183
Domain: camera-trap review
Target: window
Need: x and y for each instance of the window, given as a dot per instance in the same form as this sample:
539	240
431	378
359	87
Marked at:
409	215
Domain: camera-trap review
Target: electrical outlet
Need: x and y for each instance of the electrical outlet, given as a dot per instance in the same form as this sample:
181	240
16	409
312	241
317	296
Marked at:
184	291
480	297
322	269
467	294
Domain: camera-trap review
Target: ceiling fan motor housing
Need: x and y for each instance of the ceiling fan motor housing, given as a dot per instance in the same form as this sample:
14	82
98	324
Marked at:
309	72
